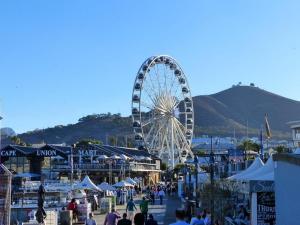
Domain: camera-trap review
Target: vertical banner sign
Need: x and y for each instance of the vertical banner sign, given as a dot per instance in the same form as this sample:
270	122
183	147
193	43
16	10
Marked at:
266	214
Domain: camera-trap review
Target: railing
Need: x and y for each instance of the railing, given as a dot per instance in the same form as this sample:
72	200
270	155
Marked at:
142	167
105	167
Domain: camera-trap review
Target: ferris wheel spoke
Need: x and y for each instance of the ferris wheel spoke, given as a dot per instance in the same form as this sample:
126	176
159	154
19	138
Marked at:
146	105
158	131
151	120
152	83
181	137
148	89
157	77
180	124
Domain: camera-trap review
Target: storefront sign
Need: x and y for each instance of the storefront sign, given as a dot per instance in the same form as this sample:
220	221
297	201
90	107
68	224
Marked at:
266	214
87	152
9	153
46	152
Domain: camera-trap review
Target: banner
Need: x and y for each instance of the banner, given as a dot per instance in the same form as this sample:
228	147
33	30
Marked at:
266	214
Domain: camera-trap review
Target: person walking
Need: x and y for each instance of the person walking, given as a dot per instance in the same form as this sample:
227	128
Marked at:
124	221
139	219
152	196
130	209
111	218
161	195
151	220
144	207
197	220
180	215
73	207
90	220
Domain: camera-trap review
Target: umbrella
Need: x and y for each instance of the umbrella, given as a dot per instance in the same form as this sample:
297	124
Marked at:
115	157
138	158
122	184
131	181
102	157
106	187
86	183
124	157
29	175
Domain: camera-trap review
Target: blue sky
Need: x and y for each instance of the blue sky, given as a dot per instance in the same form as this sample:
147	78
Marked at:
61	60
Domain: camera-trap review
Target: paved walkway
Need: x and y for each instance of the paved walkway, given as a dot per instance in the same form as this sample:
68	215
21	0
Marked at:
164	214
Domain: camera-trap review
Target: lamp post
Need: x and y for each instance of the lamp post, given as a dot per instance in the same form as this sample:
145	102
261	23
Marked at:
196	179
212	209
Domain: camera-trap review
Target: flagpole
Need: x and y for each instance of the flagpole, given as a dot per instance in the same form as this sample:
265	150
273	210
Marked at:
261	143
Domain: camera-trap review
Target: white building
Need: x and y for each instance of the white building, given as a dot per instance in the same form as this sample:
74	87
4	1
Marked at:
295	126
287	186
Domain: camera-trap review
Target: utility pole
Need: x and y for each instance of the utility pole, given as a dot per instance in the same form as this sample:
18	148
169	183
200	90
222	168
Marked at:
212	202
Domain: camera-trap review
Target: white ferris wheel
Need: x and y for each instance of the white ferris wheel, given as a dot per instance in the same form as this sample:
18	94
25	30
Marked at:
162	110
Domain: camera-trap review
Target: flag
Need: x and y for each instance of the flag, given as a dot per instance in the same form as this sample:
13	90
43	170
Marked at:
268	130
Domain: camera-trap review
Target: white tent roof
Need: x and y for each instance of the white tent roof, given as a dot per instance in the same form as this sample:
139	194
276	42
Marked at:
131	181
102	157
262	173
124	157
86	183
257	164
267	176
297	151
106	187
123	184
115	157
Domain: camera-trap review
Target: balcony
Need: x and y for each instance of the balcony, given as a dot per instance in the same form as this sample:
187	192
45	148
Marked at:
131	166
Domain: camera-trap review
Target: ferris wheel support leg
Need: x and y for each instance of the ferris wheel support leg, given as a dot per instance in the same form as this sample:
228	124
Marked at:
172	143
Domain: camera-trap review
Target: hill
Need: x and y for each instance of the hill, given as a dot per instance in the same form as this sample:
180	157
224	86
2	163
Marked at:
216	114
238	106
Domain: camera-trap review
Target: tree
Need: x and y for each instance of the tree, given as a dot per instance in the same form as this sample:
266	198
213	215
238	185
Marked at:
89	141
252	84
178	167
249	145
282	149
112	140
163	166
17	141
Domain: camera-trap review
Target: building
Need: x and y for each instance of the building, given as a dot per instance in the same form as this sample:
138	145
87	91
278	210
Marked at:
100	162
287	186
295	126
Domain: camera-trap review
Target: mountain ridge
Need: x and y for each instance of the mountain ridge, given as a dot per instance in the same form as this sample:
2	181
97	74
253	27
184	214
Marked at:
232	110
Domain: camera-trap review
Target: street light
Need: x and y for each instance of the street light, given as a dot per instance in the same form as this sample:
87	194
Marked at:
189	161
212	160
196	179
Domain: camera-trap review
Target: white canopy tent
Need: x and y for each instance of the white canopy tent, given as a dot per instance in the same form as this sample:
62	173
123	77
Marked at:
264	173
86	183
257	164
122	184
106	187
131	181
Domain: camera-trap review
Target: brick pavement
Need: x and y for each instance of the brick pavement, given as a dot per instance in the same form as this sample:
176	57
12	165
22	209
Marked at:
164	214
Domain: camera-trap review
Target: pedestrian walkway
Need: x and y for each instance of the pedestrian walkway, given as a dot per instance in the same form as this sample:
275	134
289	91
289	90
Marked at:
164	214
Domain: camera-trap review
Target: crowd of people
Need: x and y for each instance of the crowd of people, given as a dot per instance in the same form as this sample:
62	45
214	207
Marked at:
138	214
139	218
